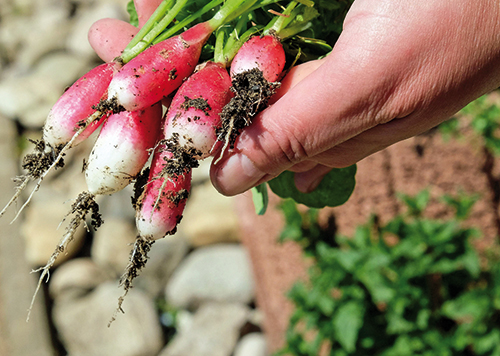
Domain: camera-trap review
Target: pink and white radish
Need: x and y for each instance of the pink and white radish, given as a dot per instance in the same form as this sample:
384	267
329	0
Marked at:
194	114
76	105
265	53
161	68
160	206
122	149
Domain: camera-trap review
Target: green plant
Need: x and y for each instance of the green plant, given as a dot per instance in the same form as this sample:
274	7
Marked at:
413	286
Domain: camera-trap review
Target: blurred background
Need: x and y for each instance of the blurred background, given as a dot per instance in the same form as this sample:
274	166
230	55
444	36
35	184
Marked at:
219	286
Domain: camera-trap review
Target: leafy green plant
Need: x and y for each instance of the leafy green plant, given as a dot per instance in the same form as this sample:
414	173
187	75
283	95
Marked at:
413	286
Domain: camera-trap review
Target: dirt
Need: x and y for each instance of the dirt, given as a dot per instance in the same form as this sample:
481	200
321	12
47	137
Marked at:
40	160
252	93
183	159
198	103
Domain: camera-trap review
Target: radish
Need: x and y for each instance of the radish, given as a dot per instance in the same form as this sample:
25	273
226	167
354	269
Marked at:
263	52
76	105
161	68
121	149
160	205
194	115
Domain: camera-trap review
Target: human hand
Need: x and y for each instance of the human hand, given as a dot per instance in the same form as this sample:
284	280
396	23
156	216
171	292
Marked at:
399	68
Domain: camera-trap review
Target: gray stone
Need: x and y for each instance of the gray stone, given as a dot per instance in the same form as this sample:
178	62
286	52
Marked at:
165	255
215	273
77	41
112	244
76	278
214	331
17	338
82	324
253	344
209	217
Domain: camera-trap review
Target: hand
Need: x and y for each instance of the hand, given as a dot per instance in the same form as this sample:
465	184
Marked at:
399	68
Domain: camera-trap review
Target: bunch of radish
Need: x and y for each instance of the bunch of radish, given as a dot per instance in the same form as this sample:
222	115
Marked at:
125	95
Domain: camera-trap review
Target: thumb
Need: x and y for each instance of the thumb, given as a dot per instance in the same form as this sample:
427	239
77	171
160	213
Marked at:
293	129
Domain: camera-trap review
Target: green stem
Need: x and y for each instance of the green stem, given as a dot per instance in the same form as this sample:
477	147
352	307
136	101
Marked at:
219	46
154	31
230	11
230	51
152	21
180	25
282	21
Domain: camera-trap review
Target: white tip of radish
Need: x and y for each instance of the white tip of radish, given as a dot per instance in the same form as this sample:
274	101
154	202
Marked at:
121	89
201	137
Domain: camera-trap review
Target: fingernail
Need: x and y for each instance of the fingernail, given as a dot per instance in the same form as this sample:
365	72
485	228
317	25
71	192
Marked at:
236	175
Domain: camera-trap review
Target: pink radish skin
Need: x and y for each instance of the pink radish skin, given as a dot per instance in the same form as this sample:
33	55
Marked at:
75	106
159	70
160	207
195	126
265	53
121	149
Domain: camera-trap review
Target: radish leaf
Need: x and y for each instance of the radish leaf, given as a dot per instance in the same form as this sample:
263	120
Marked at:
334	190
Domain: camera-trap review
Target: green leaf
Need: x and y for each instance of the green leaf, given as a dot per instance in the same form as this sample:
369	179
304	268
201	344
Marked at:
347	322
134	18
334	190
260	198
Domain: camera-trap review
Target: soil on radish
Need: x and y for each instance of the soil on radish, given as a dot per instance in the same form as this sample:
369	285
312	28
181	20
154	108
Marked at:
41	159
252	93
198	103
183	157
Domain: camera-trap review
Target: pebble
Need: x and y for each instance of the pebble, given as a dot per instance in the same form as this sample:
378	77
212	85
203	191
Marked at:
209	217
214	331
214	273
253	344
82	324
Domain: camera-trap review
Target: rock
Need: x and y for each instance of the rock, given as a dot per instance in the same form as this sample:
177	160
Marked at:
52	26
112	244
17	338
82	324
40	227
76	278
209	217
214	331
165	255
253	344
216	273
77	40
62	68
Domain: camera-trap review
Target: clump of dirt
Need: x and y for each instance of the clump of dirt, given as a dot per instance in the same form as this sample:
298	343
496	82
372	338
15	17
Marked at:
198	103
108	106
183	157
252	93
38	162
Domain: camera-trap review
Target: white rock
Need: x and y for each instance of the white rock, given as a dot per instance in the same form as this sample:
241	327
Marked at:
253	344
82	324
216	273
78	38
75	277
40	227
62	68
165	255
112	244
214	331
209	217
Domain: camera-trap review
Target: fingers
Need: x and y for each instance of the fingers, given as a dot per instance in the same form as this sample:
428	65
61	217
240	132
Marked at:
108	37
145	9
